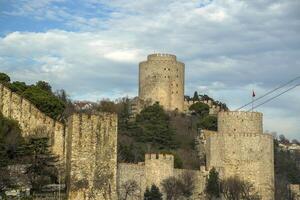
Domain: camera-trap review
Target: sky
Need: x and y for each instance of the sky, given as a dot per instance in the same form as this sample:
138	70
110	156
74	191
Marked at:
91	48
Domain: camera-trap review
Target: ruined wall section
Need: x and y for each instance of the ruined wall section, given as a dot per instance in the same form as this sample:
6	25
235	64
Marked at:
92	158
161	78
30	118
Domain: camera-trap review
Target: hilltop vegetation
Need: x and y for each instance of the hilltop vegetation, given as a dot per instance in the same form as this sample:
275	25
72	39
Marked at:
53	104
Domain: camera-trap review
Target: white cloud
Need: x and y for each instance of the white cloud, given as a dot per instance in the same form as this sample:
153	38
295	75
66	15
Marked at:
229	48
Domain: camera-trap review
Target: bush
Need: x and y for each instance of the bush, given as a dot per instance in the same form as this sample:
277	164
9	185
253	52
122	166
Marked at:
39	94
212	188
201	109
233	188
153	193
209	122
153	127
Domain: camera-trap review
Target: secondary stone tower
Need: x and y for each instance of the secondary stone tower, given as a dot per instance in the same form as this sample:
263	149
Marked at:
161	79
240	148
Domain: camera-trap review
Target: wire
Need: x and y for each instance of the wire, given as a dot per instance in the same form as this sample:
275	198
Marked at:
274	97
271	91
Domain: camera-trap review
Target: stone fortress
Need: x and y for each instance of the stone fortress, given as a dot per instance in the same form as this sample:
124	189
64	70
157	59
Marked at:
87	144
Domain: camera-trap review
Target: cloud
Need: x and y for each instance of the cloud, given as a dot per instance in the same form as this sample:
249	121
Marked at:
229	48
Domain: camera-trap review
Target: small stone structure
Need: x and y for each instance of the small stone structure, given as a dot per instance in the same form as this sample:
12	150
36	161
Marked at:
155	169
161	79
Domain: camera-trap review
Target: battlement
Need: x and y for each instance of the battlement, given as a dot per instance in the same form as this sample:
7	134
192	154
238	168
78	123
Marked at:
209	134
154	156
240	114
161	56
240	122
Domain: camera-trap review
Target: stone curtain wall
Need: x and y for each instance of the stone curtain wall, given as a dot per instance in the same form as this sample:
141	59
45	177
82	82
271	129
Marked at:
240	148
157	167
161	78
131	172
87	148
30	118
92	159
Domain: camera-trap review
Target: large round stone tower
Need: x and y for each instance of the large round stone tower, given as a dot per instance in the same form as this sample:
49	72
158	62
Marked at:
161	79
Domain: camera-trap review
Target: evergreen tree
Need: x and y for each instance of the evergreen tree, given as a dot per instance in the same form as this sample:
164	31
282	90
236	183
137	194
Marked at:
196	96
153	193
4	78
208	122
42	171
201	109
213	184
153	127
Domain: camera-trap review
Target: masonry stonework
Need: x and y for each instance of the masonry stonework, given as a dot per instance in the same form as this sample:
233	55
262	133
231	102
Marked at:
155	169
240	148
86	148
161	79
30	119
92	161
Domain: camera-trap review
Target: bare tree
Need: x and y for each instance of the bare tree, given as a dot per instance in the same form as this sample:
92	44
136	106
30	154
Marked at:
129	189
175	188
294	141
172	188
233	188
4	180
188	184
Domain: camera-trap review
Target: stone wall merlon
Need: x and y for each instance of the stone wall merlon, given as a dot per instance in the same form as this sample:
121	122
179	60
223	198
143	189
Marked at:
154	156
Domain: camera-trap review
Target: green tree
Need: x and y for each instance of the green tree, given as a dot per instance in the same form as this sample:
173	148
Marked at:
4	78
40	95
45	101
10	140
18	87
213	184
42	170
201	109
177	161
154	128
153	193
196	96
43	85
209	122
285	164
